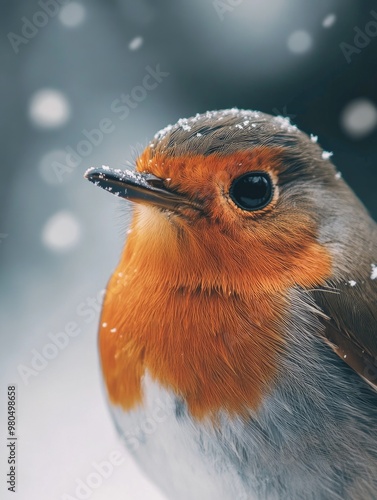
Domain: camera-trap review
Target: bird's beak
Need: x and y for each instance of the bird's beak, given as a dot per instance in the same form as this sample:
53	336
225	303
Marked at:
140	188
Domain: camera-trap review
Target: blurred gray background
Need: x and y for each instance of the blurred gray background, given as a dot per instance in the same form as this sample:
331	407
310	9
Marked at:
66	66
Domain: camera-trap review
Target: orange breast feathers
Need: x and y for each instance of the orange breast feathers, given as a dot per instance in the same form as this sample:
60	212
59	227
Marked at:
202	310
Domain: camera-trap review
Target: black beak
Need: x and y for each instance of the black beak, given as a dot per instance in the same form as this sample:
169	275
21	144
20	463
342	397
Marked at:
140	188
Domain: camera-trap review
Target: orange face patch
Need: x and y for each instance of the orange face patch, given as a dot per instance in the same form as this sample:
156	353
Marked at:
200	305
208	178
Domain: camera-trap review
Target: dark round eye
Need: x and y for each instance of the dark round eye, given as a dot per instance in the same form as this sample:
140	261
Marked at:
251	191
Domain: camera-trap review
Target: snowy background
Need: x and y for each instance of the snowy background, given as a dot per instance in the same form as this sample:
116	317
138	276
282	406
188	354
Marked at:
64	70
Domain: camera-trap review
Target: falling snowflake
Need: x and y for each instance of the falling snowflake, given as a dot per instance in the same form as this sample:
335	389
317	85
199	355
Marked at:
326	155
373	274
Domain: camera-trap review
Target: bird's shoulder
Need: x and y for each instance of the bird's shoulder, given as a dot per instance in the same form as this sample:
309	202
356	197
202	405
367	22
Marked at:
350	307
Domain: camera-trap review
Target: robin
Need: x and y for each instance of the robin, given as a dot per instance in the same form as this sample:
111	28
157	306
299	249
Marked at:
238	336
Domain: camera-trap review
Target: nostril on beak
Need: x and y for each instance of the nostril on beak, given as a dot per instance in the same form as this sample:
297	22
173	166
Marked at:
153	181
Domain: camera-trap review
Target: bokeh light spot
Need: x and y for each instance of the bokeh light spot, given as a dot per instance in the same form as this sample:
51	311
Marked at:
72	15
136	43
329	21
61	231
299	42
359	118
49	108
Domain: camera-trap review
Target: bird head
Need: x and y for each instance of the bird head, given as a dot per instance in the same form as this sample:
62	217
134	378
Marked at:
236	200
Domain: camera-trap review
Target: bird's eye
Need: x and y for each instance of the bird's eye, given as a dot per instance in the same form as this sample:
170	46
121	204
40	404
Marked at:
252	191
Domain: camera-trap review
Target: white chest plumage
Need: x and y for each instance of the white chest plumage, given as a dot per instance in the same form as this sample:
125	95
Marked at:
312	438
180	455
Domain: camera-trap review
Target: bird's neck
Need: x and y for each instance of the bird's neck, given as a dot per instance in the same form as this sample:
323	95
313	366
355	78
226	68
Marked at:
184	319
215	349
